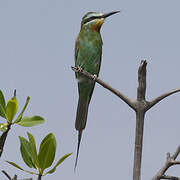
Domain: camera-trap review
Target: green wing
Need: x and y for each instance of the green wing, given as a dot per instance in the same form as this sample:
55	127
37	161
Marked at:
76	50
88	56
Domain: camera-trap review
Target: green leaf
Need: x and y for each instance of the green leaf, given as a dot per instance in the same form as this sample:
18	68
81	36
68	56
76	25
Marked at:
2	105
17	166
21	113
26	152
34	151
47	152
31	121
58	163
2	100
2	112
11	108
3	127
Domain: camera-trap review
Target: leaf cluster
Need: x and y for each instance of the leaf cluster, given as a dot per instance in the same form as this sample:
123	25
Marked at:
38	160
42	160
9	110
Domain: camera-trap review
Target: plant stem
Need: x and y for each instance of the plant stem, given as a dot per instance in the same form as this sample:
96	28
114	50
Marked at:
3	138
39	177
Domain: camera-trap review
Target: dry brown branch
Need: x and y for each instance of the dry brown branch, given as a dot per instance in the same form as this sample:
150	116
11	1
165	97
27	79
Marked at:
161	97
15	176
141	106
170	161
105	85
169	177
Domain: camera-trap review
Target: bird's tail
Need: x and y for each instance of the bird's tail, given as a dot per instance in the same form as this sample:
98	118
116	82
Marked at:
81	119
77	154
81	114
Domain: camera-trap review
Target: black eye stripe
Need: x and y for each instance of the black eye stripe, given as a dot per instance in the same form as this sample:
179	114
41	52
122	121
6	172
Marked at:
91	18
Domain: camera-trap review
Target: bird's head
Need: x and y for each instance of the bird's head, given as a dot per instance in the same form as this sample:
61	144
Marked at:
94	20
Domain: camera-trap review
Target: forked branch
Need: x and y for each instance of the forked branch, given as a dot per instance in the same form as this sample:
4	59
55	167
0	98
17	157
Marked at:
170	161
141	106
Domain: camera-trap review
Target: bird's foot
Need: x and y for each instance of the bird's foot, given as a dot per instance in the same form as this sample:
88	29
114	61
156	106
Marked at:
94	77
80	69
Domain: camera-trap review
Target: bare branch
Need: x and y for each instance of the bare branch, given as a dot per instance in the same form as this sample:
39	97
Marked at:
140	106
140	114
138	143
6	174
141	90
170	177
105	85
174	156
15	176
169	162
161	97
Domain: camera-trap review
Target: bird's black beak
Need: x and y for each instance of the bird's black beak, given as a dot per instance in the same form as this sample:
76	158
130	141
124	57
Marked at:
109	14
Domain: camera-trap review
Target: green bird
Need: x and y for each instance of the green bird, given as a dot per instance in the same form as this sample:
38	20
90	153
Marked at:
88	52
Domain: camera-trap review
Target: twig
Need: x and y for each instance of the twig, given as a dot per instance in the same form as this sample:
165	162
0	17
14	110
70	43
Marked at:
6	174
15	176
161	97
171	161
105	85
175	155
169	177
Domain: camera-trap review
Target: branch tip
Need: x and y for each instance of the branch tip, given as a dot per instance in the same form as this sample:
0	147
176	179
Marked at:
168	155
143	62
14	92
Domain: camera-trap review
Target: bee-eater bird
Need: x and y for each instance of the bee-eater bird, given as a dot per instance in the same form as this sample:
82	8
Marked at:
88	51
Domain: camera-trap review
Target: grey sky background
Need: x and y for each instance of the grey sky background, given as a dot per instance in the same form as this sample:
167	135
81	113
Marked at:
36	52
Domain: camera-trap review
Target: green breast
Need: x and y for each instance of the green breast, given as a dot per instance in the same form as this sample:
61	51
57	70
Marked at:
88	51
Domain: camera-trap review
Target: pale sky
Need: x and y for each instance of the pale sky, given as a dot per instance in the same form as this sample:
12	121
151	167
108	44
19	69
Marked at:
36	53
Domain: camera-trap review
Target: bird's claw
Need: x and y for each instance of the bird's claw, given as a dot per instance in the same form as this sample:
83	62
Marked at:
80	69
94	77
